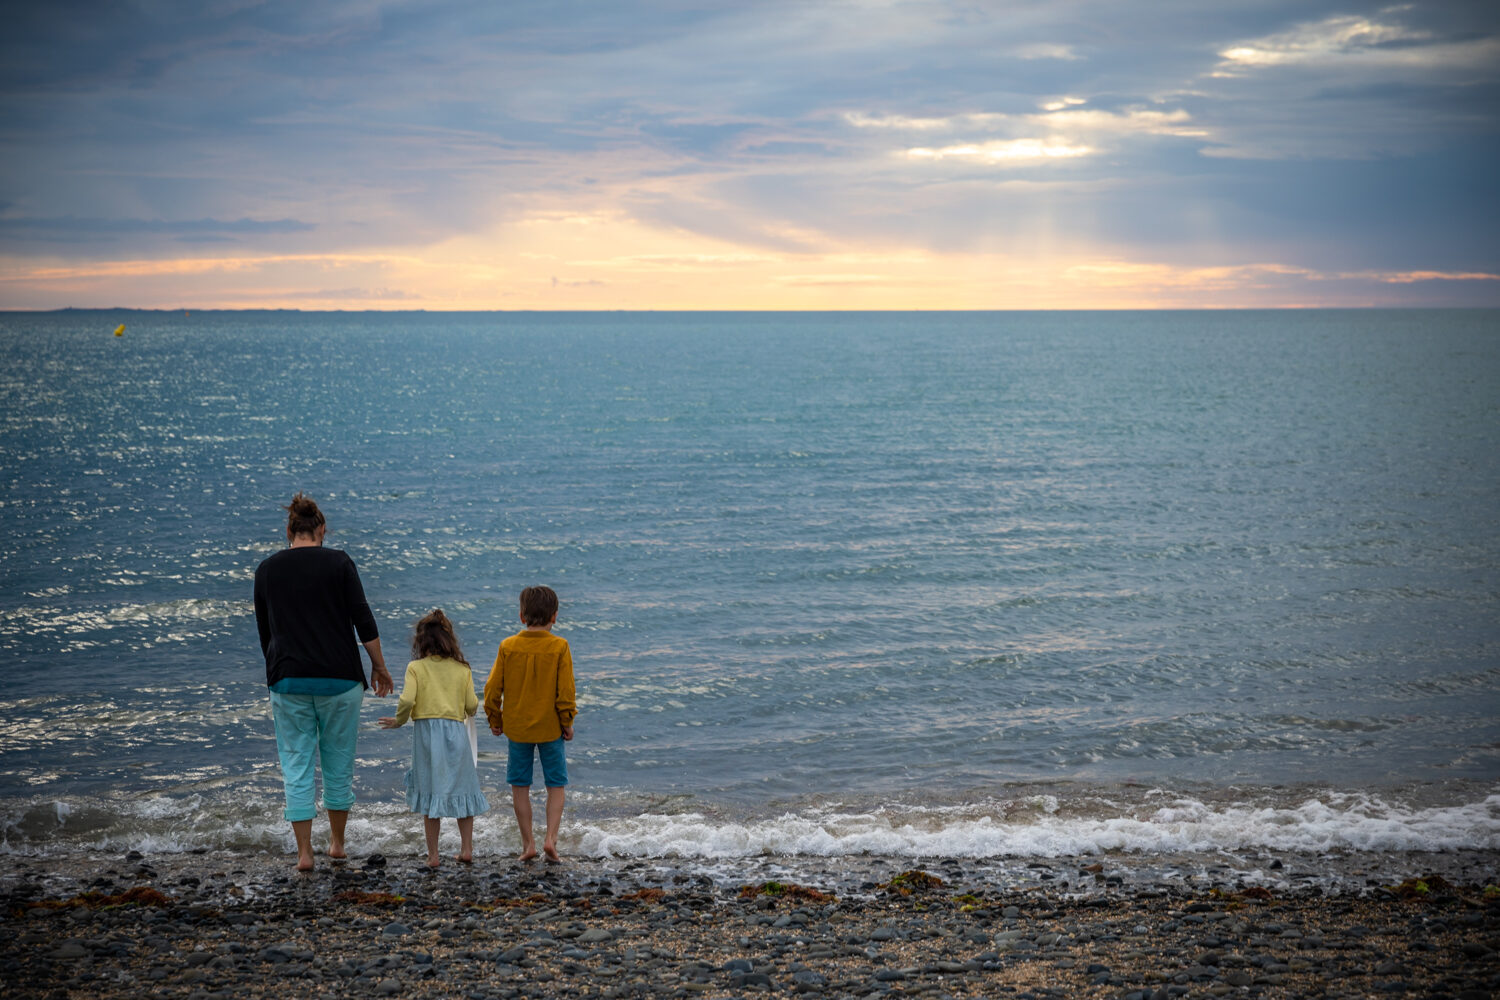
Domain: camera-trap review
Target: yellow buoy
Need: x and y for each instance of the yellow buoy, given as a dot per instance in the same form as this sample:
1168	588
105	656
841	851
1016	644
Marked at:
120	330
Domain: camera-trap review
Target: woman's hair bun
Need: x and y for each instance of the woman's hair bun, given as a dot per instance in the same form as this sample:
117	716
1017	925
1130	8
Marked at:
303	516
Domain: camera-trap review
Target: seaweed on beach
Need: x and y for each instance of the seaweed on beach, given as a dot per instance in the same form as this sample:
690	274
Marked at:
379	899
645	895
1236	899
786	890
912	881
139	896
1416	889
505	903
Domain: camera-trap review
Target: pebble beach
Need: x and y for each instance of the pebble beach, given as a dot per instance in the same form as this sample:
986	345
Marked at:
208	926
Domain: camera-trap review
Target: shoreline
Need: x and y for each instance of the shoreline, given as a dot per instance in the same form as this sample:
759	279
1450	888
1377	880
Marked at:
206	925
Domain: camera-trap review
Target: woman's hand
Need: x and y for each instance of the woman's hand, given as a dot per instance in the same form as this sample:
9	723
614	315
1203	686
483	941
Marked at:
567	732
389	722
380	678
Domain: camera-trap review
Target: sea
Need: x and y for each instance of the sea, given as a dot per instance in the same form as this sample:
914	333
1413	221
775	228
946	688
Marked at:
986	585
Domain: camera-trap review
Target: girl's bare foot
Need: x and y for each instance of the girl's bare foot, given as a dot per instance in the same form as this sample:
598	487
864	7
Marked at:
336	852
551	851
305	862
529	853
433	861
464	857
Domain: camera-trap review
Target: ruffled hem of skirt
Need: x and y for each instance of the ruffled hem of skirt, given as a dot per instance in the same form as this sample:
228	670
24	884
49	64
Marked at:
445	806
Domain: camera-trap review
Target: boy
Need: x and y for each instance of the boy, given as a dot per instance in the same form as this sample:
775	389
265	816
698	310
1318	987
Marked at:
529	700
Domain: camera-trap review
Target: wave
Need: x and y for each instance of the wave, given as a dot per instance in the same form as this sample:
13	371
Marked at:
1356	823
1035	826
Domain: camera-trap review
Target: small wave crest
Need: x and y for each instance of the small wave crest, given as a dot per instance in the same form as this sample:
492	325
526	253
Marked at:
1332	823
1038	826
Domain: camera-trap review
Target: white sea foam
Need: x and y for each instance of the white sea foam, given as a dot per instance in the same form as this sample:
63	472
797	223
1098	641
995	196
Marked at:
1335	822
1024	828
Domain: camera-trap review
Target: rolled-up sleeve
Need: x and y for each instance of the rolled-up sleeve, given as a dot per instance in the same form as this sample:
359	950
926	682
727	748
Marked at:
494	690
567	706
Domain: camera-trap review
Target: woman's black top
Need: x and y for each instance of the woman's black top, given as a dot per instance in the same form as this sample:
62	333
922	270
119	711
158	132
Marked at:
309	605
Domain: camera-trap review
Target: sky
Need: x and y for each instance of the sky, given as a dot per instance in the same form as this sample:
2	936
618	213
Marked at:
930	154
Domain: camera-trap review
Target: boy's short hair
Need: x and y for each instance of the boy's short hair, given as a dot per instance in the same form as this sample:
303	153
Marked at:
538	606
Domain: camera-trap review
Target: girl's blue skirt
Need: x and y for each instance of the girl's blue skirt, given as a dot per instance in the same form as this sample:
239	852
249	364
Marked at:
443	781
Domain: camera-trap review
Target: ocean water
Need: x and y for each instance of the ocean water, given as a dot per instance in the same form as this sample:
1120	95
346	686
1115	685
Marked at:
987	584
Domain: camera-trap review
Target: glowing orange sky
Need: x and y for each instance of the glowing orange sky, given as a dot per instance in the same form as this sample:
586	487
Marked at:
921	155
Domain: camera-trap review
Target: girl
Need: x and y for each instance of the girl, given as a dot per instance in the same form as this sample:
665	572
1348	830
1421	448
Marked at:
439	697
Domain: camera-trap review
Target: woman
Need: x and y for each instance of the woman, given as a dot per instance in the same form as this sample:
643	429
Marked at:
308	606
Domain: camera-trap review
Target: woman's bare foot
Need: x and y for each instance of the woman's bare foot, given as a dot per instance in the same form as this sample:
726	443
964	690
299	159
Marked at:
528	853
552	855
433	861
464	857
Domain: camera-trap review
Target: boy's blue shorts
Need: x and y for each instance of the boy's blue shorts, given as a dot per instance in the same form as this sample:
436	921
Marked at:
518	767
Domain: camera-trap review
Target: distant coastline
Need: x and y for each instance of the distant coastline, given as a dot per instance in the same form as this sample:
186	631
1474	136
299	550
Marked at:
1177	310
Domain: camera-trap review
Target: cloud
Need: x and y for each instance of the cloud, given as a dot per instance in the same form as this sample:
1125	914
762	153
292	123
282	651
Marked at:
1319	42
69	225
451	149
1351	41
189	266
1064	130
1002	151
924	124
1411	277
677	262
814	280
353	294
1045	50
1148	121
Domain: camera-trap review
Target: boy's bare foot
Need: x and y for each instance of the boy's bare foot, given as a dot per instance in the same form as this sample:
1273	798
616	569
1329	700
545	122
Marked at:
529	854
552	855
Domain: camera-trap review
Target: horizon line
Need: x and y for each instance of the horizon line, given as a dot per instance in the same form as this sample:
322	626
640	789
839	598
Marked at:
438	311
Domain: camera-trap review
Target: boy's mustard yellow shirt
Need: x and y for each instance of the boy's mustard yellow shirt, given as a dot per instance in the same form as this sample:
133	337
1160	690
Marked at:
437	688
530	691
